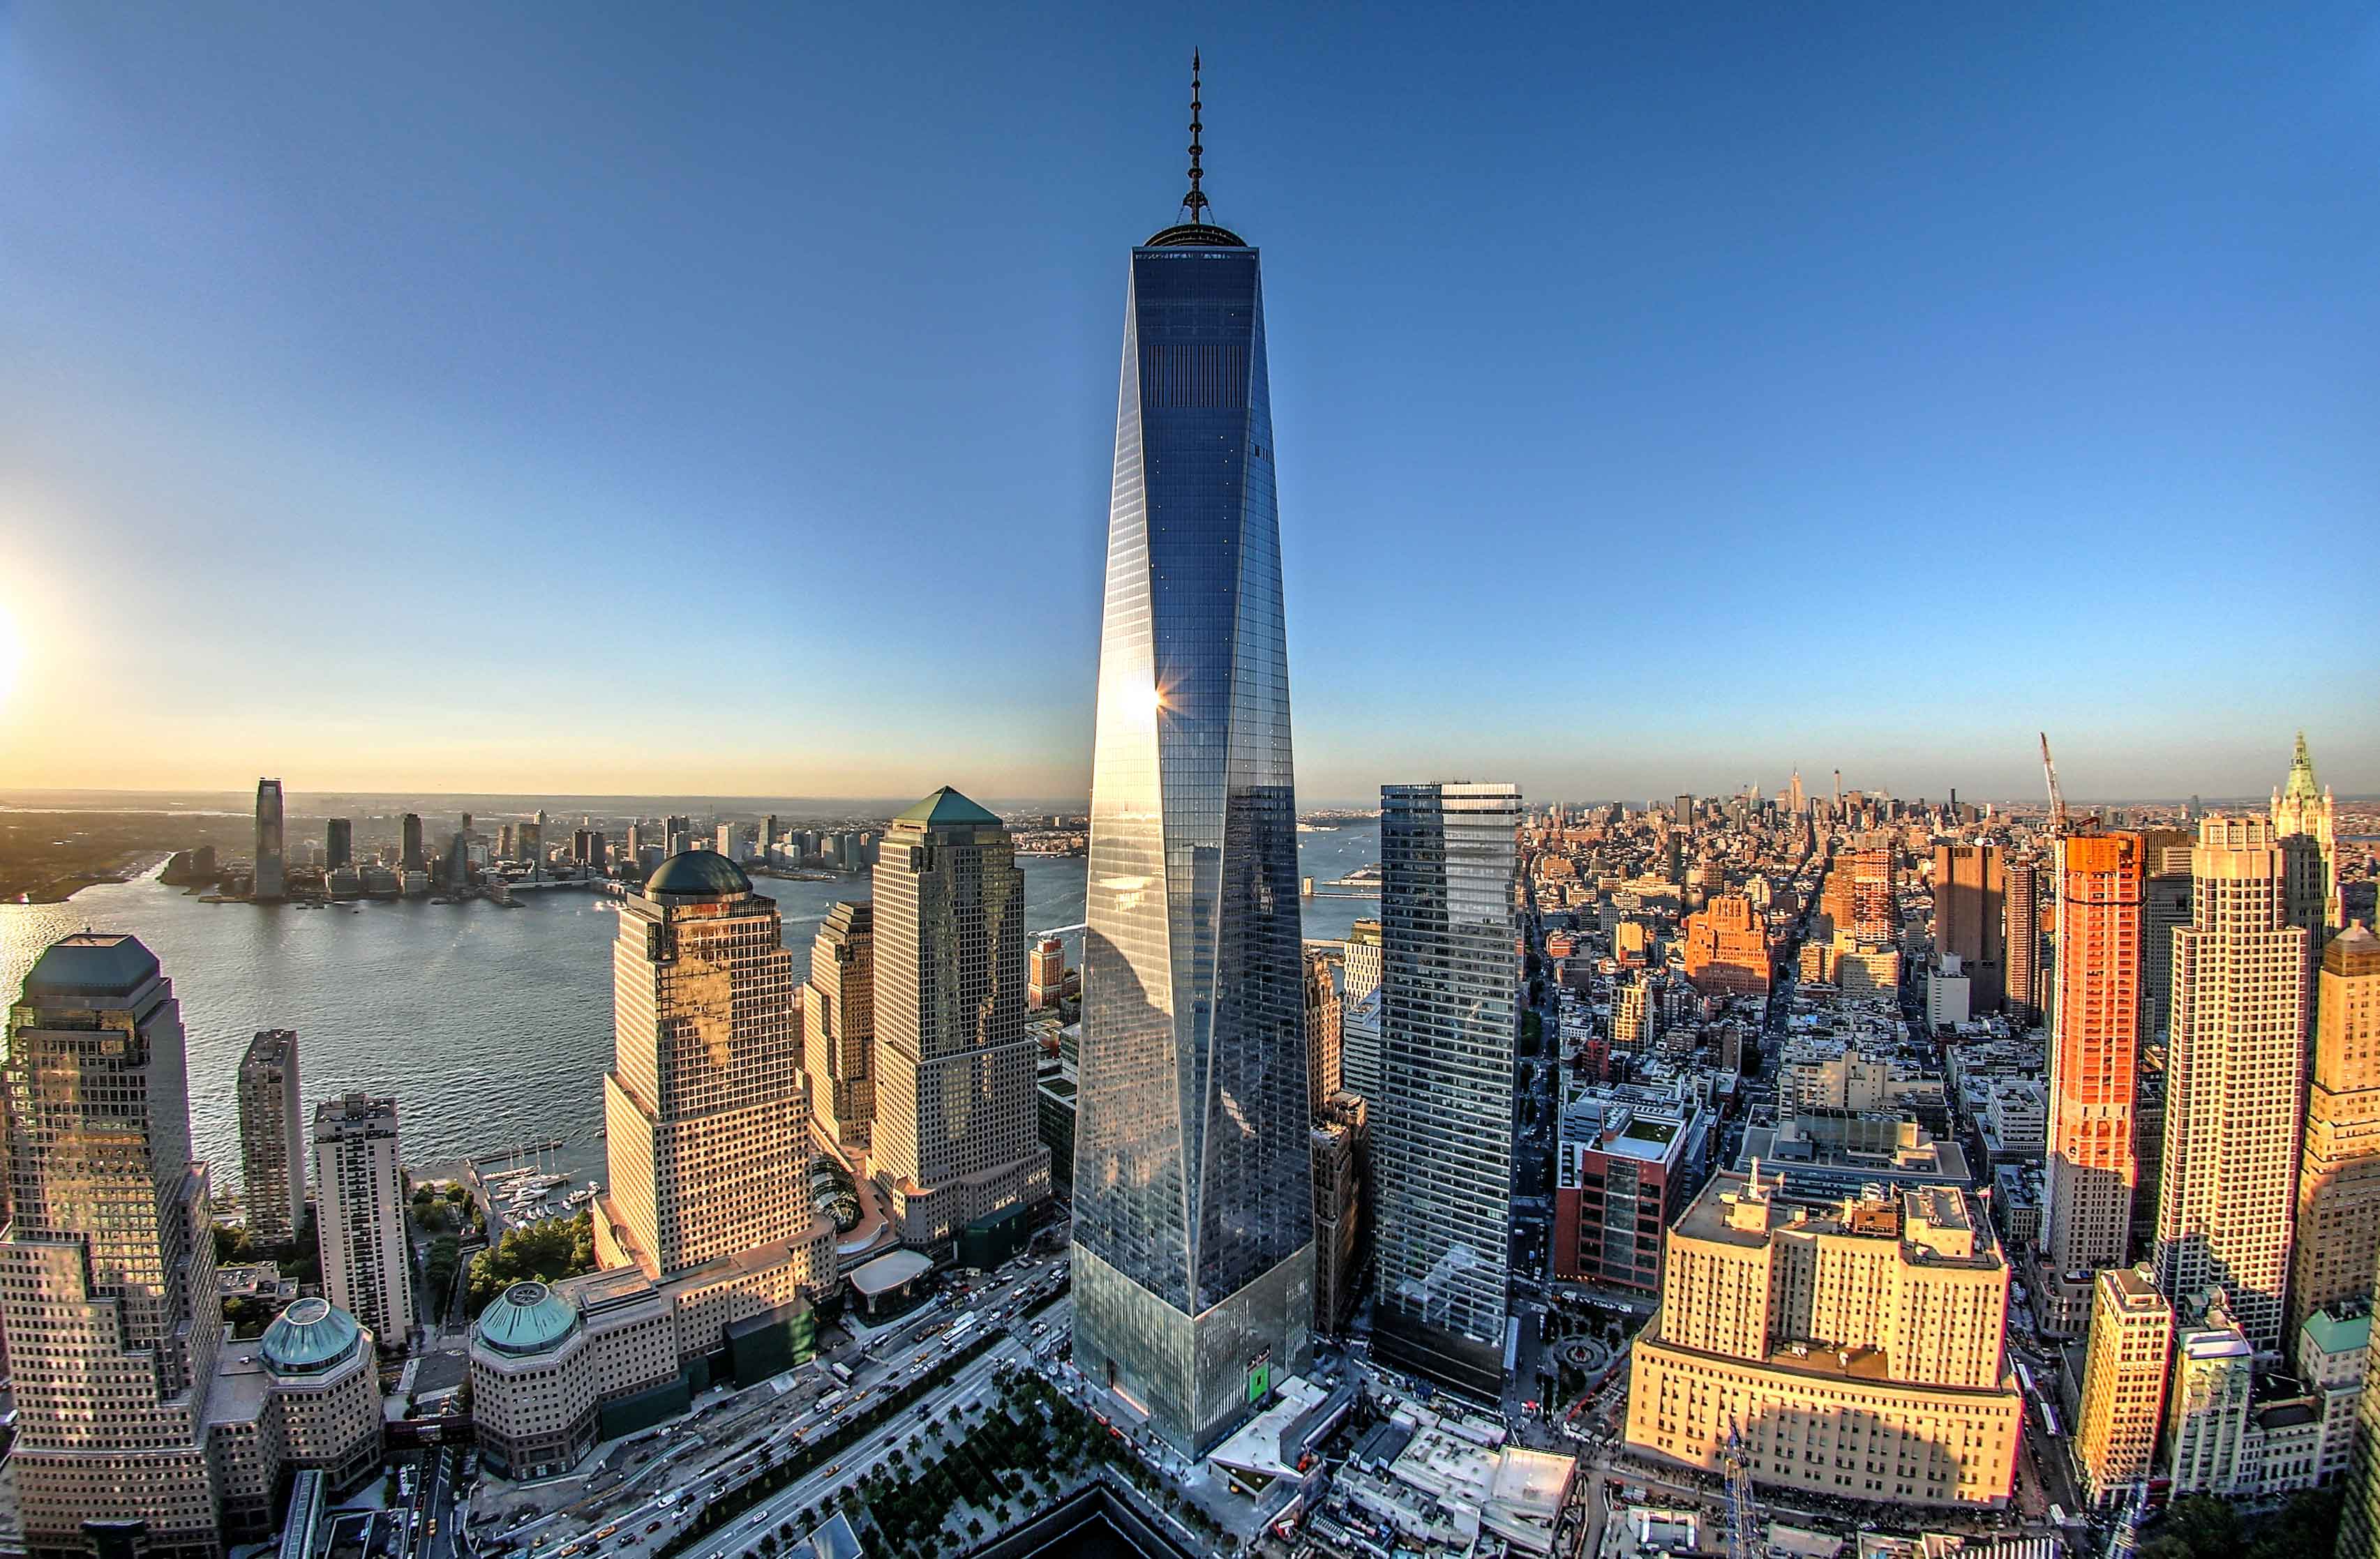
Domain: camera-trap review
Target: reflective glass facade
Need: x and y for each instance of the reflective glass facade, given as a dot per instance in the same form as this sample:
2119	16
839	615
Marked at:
1193	1201
1442	1128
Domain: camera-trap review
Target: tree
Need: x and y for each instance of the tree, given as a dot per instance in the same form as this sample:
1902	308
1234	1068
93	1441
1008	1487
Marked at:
973	1529
547	1251
2196	1527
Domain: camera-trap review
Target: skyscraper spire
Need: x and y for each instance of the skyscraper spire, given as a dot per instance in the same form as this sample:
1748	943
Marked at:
1193	204
2301	786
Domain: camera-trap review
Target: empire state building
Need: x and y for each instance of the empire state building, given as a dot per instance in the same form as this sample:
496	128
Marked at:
1193	1216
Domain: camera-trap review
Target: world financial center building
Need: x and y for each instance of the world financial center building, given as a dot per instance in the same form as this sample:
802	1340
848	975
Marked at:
1193	1215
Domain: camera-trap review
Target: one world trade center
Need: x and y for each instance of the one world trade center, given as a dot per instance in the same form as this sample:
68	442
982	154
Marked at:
1193	1215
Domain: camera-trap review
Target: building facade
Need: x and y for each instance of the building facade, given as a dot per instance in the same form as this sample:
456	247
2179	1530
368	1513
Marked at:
1193	1203
1854	1345
1442	1128
1627	1160
2303	810
1971	918
1326	1049
359	1214
2123	1384
272	1140
2021	935
2094	1069
271	871
839	1024
1728	950
2235	1073
956	1137
2337	1241
1342	1209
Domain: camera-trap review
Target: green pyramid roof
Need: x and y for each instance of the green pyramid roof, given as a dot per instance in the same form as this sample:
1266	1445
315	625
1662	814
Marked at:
948	809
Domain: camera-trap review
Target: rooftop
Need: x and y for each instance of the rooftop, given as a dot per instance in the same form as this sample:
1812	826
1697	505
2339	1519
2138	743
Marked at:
310	1338
526	1318
948	809
91	963
890	1271
697	873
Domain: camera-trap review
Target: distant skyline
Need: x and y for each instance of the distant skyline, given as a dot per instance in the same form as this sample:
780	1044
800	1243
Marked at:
393	398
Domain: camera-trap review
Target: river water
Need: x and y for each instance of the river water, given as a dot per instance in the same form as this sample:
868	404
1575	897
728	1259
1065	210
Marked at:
491	1026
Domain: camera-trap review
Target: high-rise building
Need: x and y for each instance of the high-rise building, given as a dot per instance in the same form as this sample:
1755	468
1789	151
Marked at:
2207	1402
956	1138
1194	1203
2165	909
107	1289
409	856
272	1137
2022	936
2300	808
1854	1345
1970	918
457	864
2358	1521
1326	1066
1359	965
1875	911
2093	1070
2123	1384
2235	1073
1342	1210
339	843
272	874
839	1023
1442	1128
768	837
2338	1175
1728	950
359	1214
707	1123
532	840
1045	976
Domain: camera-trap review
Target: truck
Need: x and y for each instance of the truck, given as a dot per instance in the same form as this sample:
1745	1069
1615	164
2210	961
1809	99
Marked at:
841	1371
959	1329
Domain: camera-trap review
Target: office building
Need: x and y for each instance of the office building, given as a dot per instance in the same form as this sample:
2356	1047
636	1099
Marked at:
1970	917
128	1408
1194	1224
2302	809
1342	1210
1628	1158
1875	906
1728	950
271	872
1855	1343
2235	1074
956	1138
2021	937
2358	1521
360	1215
409	855
2123	1384
1359	963
1442	1128
839	1023
271	1139
2093	1066
2337	1239
338	843
530	841
1045	974
708	1125
1326	1071
2165	909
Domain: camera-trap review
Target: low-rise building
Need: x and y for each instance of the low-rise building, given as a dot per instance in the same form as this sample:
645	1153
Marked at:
306	1395
1629	1158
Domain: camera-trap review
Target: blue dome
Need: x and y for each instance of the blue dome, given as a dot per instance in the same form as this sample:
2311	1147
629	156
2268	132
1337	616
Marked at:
308	1337
698	873
527	1318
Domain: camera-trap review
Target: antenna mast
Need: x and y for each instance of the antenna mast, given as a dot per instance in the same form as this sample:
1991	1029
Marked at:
1194	202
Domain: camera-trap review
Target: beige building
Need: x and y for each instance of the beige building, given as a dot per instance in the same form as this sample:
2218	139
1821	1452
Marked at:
272	1138
2358	1521
2242	979
2207	1404
839	1024
359	1219
1326	1037
957	1135
2123	1384
708	1123
2338	1175
546	1359
130	1404
1855	1344
2304	809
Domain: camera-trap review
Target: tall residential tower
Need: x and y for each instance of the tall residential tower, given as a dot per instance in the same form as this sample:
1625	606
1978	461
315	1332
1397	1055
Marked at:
272	1137
1193	1216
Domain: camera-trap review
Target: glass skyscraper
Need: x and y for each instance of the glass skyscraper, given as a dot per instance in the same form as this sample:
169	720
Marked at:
1442	1127
1193	1216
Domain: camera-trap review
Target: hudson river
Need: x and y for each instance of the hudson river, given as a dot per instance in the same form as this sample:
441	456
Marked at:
491	1026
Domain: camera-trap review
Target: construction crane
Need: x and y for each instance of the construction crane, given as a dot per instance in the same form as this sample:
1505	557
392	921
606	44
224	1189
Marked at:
2056	801
1743	1539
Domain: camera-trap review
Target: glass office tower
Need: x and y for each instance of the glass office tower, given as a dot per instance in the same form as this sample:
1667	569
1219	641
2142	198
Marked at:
1193	1215
1442	1127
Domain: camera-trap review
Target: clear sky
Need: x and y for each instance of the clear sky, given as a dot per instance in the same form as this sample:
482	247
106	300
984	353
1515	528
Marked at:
584	398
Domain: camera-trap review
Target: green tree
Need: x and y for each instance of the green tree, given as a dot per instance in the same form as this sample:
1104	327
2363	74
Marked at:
547	1251
2196	1527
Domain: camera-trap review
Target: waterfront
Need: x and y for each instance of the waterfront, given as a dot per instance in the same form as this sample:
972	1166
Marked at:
491	1026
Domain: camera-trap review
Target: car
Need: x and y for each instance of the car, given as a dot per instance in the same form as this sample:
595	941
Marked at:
651	1527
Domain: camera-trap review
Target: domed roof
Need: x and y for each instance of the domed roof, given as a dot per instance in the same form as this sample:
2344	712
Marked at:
310	1338
528	1317
698	872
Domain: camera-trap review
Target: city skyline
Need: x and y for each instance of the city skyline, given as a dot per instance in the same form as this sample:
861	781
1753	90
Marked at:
264	359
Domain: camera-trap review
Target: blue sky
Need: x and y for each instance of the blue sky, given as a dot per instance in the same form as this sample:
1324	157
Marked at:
577	398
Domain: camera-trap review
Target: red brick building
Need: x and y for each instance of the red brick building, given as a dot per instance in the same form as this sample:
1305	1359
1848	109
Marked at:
1728	950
